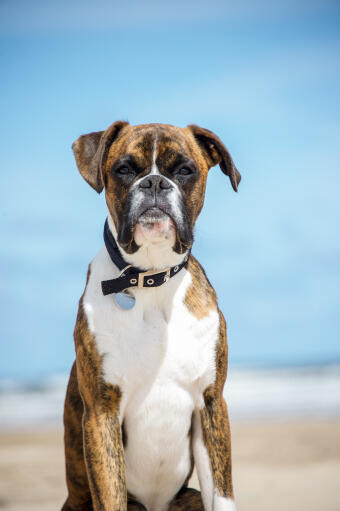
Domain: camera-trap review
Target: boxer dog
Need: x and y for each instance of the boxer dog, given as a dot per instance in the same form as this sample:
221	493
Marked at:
144	402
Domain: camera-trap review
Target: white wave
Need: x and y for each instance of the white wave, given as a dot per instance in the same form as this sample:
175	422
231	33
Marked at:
250	393
23	405
284	393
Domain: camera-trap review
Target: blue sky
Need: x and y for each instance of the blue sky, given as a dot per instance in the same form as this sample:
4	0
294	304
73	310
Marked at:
263	75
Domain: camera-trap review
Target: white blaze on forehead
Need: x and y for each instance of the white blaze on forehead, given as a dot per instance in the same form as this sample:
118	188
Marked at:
154	168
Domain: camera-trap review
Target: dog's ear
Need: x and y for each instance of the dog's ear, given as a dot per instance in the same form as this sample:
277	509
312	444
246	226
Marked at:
90	152
216	152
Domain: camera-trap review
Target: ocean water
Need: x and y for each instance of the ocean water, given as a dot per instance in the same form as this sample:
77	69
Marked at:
251	394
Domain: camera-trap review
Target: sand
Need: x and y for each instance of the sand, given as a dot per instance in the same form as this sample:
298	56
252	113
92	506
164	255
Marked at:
278	466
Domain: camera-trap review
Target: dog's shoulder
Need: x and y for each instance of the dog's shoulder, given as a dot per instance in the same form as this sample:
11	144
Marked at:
200	297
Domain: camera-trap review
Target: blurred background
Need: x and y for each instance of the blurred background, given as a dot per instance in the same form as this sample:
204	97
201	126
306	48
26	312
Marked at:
263	75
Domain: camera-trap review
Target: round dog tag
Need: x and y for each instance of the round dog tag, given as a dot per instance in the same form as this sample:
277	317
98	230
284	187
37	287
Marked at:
125	301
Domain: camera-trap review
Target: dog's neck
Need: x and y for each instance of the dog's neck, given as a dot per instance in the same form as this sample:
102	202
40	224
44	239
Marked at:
155	255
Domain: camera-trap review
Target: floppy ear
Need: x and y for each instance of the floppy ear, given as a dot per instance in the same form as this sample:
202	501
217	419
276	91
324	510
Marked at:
216	153
90	152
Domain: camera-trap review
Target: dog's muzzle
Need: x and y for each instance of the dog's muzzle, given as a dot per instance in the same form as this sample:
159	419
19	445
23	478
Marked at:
155	203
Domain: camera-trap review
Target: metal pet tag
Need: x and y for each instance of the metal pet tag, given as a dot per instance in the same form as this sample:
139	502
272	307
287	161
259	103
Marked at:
125	301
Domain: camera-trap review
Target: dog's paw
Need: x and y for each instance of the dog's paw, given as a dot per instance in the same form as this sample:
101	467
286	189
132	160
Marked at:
223	504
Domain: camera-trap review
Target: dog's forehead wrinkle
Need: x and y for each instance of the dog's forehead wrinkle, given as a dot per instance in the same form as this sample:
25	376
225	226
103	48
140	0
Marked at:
171	158
155	154
152	143
165	134
170	155
144	141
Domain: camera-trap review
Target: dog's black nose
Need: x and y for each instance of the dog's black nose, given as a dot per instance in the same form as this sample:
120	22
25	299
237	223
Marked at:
155	183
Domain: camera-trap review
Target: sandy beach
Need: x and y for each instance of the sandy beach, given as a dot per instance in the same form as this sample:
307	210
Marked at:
277	466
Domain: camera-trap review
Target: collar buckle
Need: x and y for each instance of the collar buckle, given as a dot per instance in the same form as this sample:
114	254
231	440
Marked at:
152	273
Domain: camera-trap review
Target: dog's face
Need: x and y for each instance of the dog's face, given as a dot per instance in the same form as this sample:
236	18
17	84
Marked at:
154	177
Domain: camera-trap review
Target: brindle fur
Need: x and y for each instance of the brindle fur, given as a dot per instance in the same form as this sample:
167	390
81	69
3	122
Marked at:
96	420
94	440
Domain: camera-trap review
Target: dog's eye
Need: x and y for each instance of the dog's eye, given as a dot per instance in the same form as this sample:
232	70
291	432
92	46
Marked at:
184	171
123	170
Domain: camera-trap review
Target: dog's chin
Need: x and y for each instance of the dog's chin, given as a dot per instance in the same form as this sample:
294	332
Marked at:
154	226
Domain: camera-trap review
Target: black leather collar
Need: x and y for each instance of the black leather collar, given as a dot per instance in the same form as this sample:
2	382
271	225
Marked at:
131	276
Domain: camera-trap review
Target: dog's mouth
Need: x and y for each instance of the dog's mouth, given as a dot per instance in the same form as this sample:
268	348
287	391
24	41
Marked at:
154	223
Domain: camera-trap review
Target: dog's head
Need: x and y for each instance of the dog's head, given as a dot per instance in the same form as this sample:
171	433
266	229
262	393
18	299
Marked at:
154	177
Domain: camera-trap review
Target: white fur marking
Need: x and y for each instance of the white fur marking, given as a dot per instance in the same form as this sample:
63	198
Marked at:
202	463
223	503
154	168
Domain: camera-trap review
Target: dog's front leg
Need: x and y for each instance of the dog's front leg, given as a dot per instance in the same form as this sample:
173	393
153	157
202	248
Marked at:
211	440
104	460
103	447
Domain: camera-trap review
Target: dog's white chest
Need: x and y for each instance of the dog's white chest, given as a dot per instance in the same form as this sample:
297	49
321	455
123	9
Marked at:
162	357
